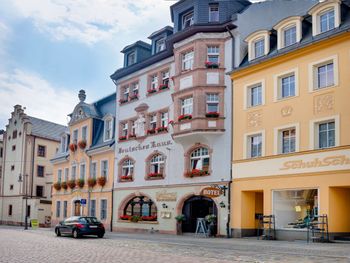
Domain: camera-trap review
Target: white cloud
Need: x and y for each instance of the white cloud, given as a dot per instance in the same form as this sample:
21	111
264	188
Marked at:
94	20
40	98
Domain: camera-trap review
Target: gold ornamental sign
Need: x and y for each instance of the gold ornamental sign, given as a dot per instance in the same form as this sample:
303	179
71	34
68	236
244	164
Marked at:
211	192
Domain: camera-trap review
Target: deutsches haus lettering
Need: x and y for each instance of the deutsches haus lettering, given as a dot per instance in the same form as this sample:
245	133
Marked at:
141	147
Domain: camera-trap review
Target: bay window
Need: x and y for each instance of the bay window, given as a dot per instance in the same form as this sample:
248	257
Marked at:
187	106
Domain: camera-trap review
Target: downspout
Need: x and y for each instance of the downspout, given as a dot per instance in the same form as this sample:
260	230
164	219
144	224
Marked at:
112	191
32	175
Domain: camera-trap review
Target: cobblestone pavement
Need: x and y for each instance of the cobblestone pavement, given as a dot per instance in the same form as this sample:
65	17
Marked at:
17	245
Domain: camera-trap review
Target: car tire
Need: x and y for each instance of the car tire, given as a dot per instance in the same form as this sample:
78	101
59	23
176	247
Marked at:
58	232
75	233
100	235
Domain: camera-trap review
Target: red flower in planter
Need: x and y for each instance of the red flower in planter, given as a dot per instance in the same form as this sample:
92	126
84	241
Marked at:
122	101
126	177
150	91
73	147
151	131
82	144
210	64
149	218
162	129
185	117
134	97
212	114
80	183
91	182
132	136
57	186
101	181
71	184
64	185
196	172
122	138
155	175
125	217
163	87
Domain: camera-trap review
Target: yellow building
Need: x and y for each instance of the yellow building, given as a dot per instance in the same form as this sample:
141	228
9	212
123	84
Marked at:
291	154
84	164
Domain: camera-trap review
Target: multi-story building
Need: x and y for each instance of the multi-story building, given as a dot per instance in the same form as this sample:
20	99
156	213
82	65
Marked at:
84	164
29	144
174	114
291	117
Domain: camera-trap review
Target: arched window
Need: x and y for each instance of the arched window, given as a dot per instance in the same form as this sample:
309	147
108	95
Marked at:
200	159
126	170
156	166
142	207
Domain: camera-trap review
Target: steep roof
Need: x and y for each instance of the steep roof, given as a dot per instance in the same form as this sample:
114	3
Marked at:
46	129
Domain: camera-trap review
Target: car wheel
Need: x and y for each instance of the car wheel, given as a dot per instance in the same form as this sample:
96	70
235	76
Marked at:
58	232
75	233
100	235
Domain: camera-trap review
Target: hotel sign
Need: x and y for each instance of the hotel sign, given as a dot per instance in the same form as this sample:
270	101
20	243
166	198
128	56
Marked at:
141	147
211	192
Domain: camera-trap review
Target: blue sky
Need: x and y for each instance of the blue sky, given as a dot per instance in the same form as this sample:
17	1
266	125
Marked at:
50	49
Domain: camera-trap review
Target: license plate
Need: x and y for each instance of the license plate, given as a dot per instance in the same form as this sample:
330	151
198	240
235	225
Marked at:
93	226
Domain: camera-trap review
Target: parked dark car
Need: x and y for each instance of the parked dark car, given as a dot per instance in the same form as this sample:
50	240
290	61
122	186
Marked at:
78	226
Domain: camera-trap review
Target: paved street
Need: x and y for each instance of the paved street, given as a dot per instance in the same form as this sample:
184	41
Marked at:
17	245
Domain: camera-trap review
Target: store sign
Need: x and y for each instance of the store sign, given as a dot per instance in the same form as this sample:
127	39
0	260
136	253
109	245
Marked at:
211	192
165	196
317	162
141	147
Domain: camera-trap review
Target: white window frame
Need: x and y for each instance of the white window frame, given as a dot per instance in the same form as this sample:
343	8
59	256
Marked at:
74	168
65	209
215	13
185	19
135	88
285	24
246	145
86	132
200	158
133	127
126	92
91	201
313	129
213	51
247	94
59	175
92	175
101	200
64	143
313	73
101	168
164	118
75	136
157	159
66	174
277	149
134	58
160	45
81	170
129	165
253	38
277	79
105	121
187	60
154	81
210	100
153	121
125	129
187	103
165	77
256	47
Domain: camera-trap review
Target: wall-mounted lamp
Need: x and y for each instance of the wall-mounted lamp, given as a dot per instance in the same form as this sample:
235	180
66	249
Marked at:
222	204
164	205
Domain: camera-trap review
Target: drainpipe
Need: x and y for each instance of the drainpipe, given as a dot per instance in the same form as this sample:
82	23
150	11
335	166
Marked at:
112	191
32	175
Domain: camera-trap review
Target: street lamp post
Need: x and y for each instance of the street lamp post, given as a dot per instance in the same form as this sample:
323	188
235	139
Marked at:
20	180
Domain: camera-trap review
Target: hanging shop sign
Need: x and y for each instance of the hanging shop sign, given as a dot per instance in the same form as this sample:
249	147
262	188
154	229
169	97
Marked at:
211	192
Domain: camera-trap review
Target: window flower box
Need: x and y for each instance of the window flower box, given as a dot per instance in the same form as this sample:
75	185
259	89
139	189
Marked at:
101	181
126	178
209	64
151	91
196	173
163	87
64	185
123	101
125	217
71	184
73	147
151	131
162	129
149	218
212	114
171	122
57	186
91	182
82	144
133	97
155	175
80	183
184	117
132	136
122	138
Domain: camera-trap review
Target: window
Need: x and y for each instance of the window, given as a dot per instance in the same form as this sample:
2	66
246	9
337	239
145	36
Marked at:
141	206
133	127
59	175
108	132
160	44
187	60
65	204
259	48
153	122
212	102
288	140
154	81
10	210
1	152
58	209
13	148
157	164
74	172
327	21
213	54
39	191
131	59
104	168
126	91
103	214
135	88
12	167
326	135
187	106
287	86
255	95
214	13
64	143
75	136
290	36
127	168
165	77
124	129
200	159
92	207
94	170
28	211
82	171
164	119
40	171
11	186
187	20
14	134
41	151
84	133
325	75
255	146
66	174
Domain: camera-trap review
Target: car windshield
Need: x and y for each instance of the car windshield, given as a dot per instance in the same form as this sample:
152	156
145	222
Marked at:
89	220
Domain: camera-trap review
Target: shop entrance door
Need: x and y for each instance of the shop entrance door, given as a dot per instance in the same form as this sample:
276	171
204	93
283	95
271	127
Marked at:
196	207
77	208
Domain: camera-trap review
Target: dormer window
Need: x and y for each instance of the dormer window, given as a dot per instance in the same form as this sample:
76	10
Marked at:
290	36
160	45
64	142
131	58
326	16
258	44
108	129
259	47
187	20
214	13
289	31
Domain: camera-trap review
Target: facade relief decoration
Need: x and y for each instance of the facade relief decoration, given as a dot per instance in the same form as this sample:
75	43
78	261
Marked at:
324	103
286	111
254	119
163	196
